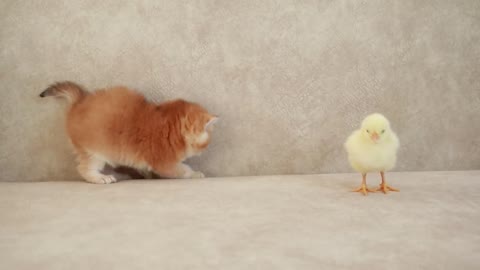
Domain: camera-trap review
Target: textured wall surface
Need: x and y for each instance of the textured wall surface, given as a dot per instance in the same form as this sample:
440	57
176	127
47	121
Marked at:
290	79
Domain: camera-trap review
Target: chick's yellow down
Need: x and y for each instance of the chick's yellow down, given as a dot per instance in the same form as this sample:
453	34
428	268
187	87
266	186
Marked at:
373	148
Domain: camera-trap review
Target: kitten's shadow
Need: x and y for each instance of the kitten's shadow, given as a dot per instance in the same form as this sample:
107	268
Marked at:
131	172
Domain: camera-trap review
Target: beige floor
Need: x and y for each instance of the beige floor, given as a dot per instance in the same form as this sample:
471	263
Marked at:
273	222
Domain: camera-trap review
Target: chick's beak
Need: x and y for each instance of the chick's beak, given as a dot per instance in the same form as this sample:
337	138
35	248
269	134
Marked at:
375	137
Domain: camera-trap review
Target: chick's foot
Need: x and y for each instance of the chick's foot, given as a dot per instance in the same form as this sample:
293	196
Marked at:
363	189
386	188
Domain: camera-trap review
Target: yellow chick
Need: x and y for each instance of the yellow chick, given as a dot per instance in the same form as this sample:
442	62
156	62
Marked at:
373	148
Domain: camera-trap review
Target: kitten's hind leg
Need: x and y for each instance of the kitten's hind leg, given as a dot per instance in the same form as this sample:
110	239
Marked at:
179	170
184	171
146	174
120	176
120	173
90	168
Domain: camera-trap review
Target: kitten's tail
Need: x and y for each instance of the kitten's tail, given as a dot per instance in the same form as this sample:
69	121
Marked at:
69	90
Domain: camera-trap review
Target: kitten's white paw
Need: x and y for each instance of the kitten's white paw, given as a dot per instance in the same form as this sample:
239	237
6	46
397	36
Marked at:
108	179
102	179
197	175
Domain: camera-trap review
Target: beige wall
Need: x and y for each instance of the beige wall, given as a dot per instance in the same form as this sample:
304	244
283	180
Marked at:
290	79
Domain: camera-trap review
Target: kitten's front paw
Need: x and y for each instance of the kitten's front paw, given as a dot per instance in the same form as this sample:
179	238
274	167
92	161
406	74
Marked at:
198	175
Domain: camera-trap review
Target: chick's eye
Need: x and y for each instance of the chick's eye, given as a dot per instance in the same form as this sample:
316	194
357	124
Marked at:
368	131
383	131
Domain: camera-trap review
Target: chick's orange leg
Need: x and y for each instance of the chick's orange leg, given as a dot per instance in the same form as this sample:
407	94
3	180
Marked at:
363	188
384	187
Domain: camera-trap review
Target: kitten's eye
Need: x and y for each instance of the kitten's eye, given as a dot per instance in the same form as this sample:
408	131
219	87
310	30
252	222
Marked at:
383	131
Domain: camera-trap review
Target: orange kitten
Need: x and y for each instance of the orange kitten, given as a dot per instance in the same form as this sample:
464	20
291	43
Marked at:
118	126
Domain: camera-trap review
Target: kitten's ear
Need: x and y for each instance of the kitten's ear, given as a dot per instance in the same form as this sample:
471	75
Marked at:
211	122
